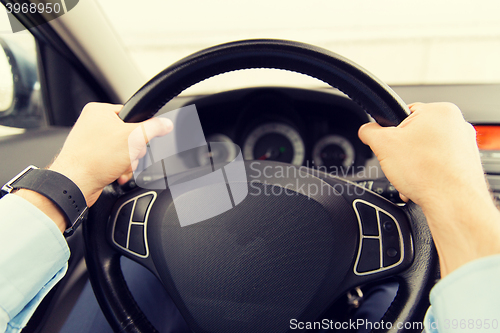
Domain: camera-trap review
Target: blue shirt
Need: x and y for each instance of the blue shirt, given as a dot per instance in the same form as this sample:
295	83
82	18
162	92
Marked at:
33	258
34	255
467	300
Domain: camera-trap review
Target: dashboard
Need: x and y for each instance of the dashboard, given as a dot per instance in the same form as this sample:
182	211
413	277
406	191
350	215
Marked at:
312	128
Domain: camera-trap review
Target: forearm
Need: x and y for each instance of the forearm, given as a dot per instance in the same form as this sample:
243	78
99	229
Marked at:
34	258
464	228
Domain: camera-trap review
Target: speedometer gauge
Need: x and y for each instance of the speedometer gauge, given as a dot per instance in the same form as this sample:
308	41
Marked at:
275	142
334	151
222	150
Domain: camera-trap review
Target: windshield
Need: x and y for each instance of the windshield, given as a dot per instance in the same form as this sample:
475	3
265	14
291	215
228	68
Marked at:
401	42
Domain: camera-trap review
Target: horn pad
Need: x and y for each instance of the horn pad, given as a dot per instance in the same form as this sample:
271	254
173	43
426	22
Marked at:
278	255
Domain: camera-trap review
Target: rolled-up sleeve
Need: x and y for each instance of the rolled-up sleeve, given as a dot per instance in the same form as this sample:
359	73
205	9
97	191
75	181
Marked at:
467	300
33	258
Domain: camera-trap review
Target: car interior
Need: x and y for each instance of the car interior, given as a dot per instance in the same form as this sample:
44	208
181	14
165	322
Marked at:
54	69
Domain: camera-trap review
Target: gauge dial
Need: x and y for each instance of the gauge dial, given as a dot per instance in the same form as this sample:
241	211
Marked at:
222	149
334	151
275	142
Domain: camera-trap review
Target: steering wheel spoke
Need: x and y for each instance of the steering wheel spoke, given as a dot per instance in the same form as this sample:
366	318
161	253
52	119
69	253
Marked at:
128	226
385	246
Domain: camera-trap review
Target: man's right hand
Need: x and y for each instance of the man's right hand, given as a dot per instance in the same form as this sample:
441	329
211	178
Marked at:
432	158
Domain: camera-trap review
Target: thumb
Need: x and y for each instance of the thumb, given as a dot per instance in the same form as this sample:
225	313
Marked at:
145	132
369	132
156	126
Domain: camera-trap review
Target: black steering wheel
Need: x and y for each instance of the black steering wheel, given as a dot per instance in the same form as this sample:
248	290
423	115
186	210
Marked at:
249	270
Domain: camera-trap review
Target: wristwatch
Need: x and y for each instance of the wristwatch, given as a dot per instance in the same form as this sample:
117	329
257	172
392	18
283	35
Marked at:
58	188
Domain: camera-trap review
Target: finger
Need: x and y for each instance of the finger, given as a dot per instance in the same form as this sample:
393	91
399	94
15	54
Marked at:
155	127
141	154
134	165
415	106
129	173
368	132
404	198
408	119
141	134
136	142
471	130
116	108
124	178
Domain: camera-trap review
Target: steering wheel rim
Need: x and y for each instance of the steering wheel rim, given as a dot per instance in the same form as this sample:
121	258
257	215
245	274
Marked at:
384	105
374	96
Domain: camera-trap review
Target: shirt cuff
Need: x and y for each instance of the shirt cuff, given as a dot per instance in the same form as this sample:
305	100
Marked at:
17	323
467	299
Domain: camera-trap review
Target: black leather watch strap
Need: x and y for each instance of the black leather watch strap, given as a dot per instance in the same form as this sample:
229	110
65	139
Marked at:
56	187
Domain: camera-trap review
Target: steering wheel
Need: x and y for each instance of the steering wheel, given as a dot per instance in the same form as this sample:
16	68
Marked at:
273	258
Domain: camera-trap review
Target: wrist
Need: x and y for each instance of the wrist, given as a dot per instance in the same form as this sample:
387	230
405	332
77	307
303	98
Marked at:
80	178
464	229
45	205
53	193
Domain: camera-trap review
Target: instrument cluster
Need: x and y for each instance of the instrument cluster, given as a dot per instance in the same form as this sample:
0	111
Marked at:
300	127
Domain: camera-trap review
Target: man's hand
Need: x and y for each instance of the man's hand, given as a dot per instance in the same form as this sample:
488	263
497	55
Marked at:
431	155
432	158
96	151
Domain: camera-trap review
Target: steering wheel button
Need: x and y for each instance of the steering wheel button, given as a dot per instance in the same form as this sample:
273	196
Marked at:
141	208
391	246
136	240
389	226
391	257
392	252
122	224
369	260
368	217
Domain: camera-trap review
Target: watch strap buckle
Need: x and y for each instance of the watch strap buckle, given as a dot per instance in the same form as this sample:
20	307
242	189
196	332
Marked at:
70	230
8	187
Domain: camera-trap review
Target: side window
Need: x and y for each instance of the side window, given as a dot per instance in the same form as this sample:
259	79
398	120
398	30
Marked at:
21	104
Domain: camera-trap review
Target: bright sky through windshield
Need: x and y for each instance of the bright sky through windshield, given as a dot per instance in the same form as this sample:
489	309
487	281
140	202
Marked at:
401	41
